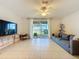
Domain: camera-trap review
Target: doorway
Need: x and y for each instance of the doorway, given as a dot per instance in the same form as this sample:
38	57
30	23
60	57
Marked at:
40	29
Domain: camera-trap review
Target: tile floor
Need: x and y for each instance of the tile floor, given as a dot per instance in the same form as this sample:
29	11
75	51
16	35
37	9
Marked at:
35	49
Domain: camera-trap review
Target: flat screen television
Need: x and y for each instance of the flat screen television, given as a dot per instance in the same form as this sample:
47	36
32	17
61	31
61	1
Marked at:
7	28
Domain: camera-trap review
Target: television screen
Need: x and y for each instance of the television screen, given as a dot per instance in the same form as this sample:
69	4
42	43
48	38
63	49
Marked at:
7	28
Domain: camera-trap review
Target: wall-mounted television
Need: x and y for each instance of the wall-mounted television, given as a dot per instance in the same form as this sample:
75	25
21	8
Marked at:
7	28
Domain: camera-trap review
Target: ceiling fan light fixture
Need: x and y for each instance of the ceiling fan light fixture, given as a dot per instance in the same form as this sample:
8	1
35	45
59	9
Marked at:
44	2
44	14
44	8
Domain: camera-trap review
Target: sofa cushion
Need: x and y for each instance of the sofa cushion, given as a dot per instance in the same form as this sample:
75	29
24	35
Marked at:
65	44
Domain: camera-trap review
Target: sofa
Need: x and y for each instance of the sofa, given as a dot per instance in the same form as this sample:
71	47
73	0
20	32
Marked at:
67	43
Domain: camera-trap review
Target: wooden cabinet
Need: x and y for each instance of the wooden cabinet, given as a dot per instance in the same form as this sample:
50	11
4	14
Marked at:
24	36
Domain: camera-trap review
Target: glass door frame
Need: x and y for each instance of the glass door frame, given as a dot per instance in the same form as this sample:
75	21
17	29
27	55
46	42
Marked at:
40	28
31	25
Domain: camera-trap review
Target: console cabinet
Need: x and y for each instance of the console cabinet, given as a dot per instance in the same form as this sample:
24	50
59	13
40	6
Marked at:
8	40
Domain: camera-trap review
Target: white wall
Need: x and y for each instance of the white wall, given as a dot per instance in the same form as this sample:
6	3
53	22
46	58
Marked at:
8	15
72	23
54	25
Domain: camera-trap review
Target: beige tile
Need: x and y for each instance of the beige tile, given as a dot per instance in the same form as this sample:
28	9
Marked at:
35	49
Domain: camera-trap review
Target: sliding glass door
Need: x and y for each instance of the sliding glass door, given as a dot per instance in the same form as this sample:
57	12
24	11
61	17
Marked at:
40	29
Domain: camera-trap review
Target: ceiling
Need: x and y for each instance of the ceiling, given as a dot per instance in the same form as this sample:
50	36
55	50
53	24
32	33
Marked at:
30	8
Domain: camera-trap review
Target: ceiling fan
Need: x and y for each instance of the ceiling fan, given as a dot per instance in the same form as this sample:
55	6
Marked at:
45	7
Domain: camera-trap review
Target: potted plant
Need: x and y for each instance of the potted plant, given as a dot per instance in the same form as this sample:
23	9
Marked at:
35	34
